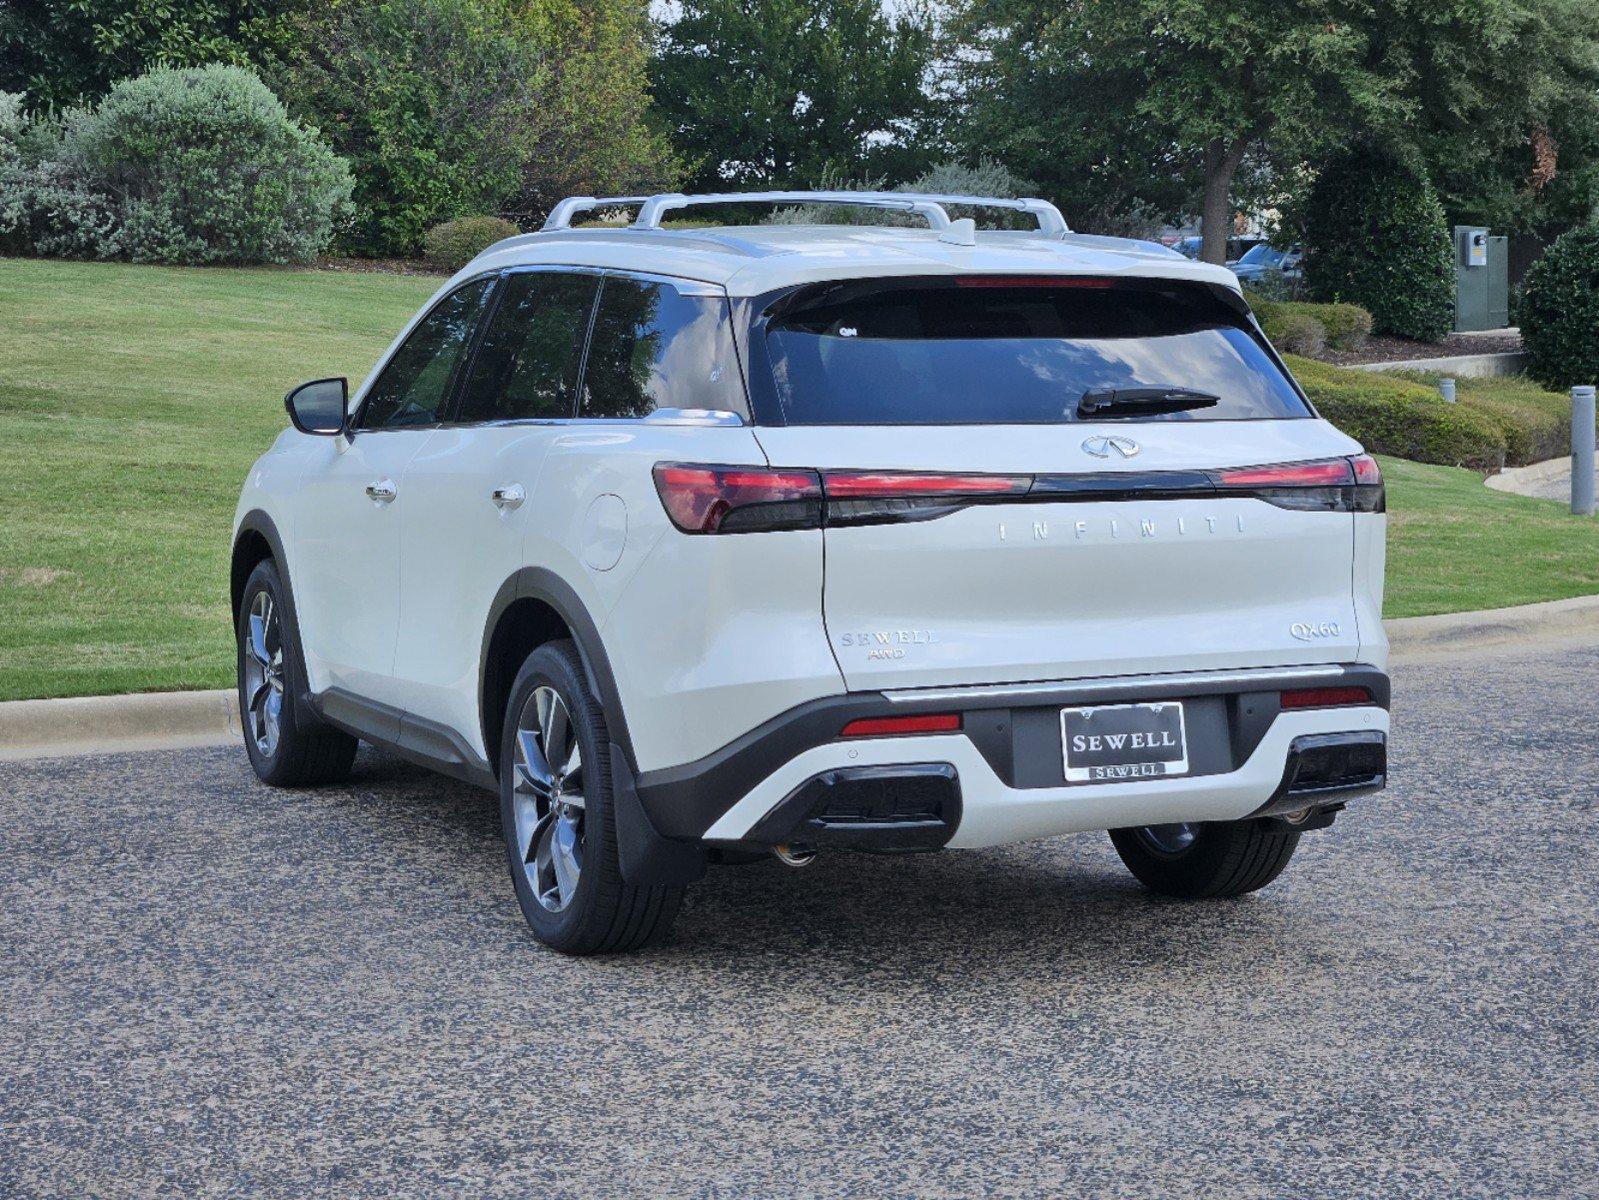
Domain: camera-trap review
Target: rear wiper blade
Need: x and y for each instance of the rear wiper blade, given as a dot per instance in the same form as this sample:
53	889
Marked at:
1111	403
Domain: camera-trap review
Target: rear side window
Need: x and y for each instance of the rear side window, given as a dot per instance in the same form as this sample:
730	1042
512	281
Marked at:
416	382
526	367
654	347
992	351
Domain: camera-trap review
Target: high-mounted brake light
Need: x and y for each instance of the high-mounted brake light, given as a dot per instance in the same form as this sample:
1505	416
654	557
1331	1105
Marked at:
1033	281
1325	697
891	726
705	499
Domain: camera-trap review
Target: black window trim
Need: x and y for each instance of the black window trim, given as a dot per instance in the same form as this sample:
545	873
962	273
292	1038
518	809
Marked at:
452	387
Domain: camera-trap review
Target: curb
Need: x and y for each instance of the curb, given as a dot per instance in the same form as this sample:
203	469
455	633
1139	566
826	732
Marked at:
1464	366
184	720
1517	479
1526	625
108	724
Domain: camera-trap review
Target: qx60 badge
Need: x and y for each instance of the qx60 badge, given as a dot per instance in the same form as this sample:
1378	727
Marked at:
1104	447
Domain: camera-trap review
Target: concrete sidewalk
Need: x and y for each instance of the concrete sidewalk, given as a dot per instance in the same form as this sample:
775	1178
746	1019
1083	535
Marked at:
1547	480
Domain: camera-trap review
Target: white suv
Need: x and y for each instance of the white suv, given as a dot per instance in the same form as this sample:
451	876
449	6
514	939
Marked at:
701	544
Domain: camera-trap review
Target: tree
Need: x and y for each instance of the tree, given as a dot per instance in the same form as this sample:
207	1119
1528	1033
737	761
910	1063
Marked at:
1189	87
450	108
66	51
1375	236
764	93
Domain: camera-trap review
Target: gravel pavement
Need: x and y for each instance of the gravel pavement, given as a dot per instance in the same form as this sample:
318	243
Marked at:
208	988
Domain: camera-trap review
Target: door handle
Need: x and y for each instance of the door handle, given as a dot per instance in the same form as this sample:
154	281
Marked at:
382	491
508	497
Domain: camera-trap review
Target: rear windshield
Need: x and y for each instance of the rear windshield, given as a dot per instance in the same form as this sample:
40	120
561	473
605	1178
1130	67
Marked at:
986	351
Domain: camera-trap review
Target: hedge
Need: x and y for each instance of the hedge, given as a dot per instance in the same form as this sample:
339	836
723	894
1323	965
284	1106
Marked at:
448	247
1388	414
1288	323
1559	311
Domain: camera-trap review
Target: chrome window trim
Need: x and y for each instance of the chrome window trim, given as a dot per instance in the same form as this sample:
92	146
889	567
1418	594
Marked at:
1069	688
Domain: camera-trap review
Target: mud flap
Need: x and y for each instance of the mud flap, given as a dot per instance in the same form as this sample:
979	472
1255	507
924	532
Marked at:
647	859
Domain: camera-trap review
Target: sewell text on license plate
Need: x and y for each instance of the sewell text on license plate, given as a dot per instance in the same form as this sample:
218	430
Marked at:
1124	741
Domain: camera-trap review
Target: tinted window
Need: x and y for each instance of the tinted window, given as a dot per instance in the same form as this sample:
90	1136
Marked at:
417	380
527	364
654	347
936	353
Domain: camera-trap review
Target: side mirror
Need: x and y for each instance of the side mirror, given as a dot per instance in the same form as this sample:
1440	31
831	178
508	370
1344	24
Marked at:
319	406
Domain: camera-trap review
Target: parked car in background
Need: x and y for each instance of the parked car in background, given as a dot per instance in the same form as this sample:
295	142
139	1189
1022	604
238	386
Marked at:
1264	262
706	545
1237	247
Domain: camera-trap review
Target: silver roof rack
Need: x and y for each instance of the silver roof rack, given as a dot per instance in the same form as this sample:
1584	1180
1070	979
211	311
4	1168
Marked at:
928	206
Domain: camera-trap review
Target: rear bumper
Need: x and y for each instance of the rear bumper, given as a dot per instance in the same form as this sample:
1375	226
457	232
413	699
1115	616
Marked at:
1001	778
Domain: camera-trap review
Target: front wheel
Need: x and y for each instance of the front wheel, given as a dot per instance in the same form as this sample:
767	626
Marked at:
559	820
285	750
1204	860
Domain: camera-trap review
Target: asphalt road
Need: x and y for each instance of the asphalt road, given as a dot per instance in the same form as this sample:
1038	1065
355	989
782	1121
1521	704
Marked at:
209	988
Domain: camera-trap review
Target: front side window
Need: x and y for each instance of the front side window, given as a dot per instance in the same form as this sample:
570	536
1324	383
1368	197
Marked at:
994	350
654	347
526	367
415	384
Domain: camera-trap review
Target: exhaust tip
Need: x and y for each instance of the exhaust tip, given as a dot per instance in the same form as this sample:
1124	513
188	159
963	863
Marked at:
794	856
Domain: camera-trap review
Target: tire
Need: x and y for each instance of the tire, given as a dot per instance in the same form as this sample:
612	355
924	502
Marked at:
295	753
1208	860
559	820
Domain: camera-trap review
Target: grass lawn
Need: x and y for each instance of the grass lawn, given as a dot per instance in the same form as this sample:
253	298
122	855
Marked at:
132	399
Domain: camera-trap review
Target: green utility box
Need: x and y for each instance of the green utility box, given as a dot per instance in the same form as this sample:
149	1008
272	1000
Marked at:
1482	279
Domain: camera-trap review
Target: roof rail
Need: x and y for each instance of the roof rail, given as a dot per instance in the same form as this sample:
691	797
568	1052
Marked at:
929	206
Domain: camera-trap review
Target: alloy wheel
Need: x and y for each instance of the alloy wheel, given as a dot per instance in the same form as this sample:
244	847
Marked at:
263	673
547	798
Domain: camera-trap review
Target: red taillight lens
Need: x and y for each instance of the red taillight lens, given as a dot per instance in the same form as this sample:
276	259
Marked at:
889	726
858	485
705	499
1327	697
1367	472
1334	472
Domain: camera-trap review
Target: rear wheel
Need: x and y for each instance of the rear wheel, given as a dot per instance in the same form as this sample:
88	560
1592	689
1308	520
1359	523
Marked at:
1201	860
559	820
284	750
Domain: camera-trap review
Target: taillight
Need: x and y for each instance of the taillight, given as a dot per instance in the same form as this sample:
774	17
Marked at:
890	726
704	499
1325	485
1325	697
875	497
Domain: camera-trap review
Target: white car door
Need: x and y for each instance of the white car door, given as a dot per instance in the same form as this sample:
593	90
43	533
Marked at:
471	490
353	501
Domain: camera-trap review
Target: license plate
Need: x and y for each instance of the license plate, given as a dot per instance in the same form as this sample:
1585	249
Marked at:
1124	741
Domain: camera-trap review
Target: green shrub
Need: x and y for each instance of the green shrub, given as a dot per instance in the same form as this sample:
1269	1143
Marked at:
1392	415
449	247
1536	423
194	166
1559	311
1292	330
1376	236
1347	325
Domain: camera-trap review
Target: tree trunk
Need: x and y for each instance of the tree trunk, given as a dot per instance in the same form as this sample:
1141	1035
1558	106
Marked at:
1216	210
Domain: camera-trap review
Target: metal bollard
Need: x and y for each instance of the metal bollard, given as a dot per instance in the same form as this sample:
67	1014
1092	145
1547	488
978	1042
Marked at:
1446	389
1582	437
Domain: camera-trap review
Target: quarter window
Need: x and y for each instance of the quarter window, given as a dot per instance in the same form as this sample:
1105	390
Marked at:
415	384
526	367
654	347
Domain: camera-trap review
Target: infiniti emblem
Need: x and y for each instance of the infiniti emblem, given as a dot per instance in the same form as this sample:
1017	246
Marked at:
1100	447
